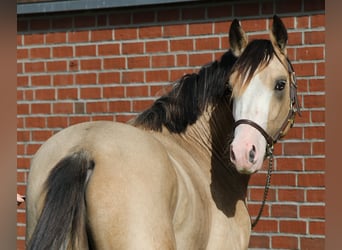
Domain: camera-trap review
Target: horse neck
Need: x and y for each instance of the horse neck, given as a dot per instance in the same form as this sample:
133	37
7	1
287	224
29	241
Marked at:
212	131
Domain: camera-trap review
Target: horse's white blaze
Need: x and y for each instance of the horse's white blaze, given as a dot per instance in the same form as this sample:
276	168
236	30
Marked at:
254	105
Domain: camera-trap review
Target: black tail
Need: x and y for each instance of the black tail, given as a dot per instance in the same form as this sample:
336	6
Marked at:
62	220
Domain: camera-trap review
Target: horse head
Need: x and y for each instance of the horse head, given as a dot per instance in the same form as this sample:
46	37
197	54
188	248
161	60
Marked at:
264	97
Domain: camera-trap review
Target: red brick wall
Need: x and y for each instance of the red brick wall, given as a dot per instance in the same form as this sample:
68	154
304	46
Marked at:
112	64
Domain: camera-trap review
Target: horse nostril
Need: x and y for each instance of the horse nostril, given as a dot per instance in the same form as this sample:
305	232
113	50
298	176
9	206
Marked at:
232	155
252	154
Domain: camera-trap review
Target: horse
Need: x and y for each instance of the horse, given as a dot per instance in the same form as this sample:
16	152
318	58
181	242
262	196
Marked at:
176	176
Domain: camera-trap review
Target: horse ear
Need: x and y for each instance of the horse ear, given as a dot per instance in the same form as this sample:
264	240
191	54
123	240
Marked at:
237	38
279	34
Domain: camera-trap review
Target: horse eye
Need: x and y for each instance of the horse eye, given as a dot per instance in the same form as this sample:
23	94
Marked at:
280	85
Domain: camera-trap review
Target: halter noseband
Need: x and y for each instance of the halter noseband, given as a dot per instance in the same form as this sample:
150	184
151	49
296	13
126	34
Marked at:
289	121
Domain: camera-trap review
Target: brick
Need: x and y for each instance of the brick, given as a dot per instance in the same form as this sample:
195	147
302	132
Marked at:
97	107
312	243
41	135
125	34
133	48
86	78
156	46
91	64
256	194
90	93
113	92
45	94
163	61
317	20
182	45
41	80
22	53
109	49
312	53
311	180
35	122
289	164
55	37
63	79
283	179
67	94
314	101
34	67
318	148
312	211
85	50
317	132
200	29
318	116
157	76
297	148
315	164
284	242
287	211
317	227
109	77
266	226
78	119
57	122
207	43
314	37
293	227
31	39
200	59
101	35
78	36
42	53
55	66
63	51
302	22
114	63
132	76
259	241
137	91
62	108
138	62
150	32
22	109
120	106
141	105
252	25
182	60
174	30
296	195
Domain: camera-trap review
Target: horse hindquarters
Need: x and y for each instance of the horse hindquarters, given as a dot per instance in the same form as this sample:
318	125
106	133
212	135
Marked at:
62	220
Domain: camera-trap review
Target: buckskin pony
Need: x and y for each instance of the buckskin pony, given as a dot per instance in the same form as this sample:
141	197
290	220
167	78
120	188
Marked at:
175	177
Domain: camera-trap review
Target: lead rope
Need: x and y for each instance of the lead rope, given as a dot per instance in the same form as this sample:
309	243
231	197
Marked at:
267	184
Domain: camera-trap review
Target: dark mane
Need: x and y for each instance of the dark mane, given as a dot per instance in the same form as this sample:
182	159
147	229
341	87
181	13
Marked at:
257	53
189	97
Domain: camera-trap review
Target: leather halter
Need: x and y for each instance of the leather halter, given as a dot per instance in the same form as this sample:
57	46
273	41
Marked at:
287	124
289	121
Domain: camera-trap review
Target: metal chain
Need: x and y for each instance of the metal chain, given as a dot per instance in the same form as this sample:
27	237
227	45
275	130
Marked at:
267	185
